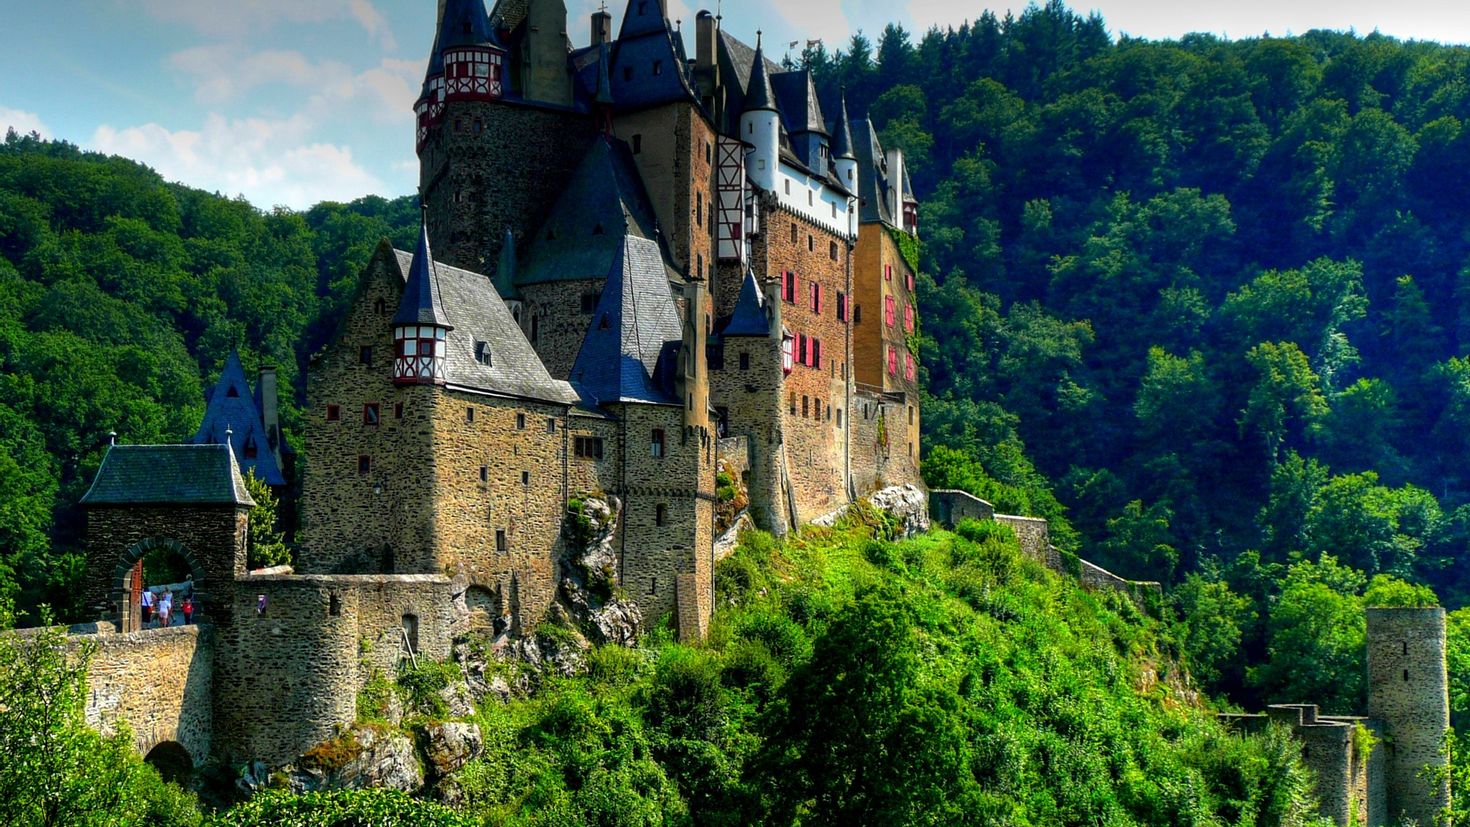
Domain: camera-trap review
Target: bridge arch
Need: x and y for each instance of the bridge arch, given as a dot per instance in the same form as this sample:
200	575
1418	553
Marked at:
173	762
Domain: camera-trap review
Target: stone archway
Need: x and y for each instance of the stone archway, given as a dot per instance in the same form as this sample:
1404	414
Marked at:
173	762
125	583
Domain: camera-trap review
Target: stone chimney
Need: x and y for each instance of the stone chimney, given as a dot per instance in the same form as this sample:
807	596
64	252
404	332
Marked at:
270	413
895	184
707	29
601	27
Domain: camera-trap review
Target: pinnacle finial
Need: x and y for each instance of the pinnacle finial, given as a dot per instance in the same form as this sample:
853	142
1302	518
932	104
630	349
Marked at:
112	437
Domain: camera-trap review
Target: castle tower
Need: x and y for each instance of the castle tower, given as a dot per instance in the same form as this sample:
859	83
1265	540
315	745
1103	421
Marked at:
420	327
844	160
498	134
760	124
1408	695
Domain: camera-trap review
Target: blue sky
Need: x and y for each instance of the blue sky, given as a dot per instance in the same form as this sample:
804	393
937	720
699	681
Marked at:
297	101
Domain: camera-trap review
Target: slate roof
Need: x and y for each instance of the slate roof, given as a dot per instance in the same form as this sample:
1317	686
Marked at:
796	97
168	475
422	301
749	317
758	92
465	23
872	177
842	133
232	412
585	228
635	323
477	314
646	40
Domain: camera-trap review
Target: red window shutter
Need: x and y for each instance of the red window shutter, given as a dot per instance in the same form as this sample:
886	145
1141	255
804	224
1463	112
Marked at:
888	310
888	272
892	362
908	317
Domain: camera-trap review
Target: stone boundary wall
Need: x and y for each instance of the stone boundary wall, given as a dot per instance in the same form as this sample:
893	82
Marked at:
1349	784
949	507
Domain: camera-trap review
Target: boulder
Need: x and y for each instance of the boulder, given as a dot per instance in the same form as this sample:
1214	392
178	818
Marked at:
459	700
617	622
384	759
449	746
909	503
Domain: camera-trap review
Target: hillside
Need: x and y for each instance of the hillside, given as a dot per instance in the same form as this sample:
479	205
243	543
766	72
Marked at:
943	679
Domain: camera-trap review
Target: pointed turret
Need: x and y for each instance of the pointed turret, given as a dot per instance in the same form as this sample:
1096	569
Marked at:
233	416
760	122
842	134
759	96
421	325
467	63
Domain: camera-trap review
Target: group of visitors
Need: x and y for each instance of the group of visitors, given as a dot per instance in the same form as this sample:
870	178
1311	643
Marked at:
158	607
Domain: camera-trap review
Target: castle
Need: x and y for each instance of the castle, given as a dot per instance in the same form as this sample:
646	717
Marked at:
651	270
635	269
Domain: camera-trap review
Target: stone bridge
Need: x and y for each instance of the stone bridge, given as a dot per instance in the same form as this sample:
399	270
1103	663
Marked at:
159	682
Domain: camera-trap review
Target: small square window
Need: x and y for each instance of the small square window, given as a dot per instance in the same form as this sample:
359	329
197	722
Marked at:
550	425
525	478
364	465
520	422
811	244
398	410
334	413
484	473
370	414
365	356
589	303
500	542
660	514
745	361
380	307
656	443
469	415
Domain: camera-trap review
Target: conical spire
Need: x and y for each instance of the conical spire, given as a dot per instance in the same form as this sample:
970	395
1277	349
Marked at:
842	134
421	303
505	274
759	95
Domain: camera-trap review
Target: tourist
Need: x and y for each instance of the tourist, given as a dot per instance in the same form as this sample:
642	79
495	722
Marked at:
147	605
165	609
260	605
188	611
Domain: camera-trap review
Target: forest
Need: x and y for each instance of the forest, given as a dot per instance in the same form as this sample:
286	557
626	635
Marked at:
1206	309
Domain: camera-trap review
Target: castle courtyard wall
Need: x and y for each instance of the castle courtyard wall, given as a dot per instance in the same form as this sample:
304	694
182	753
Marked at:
159	682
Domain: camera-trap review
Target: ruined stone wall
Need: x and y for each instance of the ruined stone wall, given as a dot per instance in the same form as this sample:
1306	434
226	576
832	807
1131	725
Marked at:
500	470
555	323
212	539
492	165
949	507
288	679
1408	693
158	682
751	400
374	521
814	445
1033	534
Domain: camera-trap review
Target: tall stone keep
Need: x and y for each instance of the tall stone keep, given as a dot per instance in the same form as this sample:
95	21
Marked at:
1408	695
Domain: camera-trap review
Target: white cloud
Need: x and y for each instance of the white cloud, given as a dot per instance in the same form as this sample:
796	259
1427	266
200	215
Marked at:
238	18
21	121
270	162
813	19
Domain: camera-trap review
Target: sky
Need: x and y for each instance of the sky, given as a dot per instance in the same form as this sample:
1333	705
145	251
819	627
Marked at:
292	102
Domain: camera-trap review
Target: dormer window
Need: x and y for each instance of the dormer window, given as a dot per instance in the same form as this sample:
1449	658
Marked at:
482	353
233	392
251	450
602	324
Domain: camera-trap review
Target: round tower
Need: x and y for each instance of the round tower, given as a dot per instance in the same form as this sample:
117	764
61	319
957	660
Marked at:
760	124
1408	694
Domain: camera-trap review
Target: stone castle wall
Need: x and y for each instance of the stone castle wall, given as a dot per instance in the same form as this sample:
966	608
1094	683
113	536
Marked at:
751	400
554	322
815	446
1408	693
489	166
676	161
376	521
287	679
884	446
